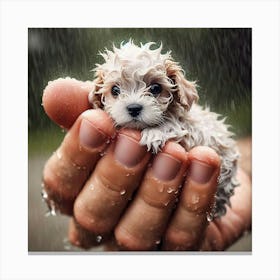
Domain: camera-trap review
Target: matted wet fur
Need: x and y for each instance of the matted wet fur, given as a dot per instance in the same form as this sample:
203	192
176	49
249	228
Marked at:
144	89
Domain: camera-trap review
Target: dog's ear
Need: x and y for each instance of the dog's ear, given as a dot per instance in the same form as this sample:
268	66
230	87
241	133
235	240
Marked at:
186	92
94	96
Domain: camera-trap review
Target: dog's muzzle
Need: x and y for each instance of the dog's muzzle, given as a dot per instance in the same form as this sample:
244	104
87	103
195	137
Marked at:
134	109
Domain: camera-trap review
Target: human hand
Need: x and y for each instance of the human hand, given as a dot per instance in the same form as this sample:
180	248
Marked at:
100	191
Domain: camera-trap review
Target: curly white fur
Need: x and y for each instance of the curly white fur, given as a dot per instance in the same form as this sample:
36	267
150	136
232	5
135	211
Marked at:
170	115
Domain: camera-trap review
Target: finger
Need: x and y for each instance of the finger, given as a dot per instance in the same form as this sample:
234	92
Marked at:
81	237
116	176
144	222
223	232
69	167
65	99
189	222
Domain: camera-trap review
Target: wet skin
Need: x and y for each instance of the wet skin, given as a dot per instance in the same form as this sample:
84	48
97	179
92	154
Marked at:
114	188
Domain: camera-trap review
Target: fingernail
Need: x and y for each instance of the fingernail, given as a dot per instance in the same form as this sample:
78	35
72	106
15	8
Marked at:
165	167
90	136
201	172
128	151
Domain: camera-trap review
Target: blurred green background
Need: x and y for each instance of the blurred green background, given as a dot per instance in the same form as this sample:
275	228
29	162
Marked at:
219	59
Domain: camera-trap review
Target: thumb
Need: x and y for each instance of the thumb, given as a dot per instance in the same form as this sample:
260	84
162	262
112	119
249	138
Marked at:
65	99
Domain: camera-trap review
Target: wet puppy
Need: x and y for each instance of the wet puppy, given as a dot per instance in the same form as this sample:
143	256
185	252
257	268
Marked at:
144	89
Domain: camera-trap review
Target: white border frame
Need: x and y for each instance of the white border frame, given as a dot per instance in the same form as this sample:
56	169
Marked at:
17	16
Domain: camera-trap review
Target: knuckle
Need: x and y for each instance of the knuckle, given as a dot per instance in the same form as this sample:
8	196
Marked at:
89	220
128	241
180	240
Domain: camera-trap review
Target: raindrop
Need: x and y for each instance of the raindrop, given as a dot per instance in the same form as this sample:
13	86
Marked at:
98	238
209	216
52	210
161	188
58	154
44	194
122	192
170	190
195	199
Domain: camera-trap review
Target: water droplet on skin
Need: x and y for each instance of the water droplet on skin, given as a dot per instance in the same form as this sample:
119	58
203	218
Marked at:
161	188
122	192
44	194
195	199
127	175
52	210
209	216
91	187
108	141
170	190
99	238
58	154
157	241
166	203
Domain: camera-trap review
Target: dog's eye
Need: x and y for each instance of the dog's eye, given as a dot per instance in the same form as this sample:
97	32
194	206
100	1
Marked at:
115	91
155	89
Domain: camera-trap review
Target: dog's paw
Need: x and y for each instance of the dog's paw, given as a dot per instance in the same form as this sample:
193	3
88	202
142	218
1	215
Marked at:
153	138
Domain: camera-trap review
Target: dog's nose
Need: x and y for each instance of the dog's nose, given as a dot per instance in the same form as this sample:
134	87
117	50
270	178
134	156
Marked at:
134	109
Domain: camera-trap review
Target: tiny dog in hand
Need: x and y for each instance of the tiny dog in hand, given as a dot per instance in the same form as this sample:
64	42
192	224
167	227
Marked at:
142	88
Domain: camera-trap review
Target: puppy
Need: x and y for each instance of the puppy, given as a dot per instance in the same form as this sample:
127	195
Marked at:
144	89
